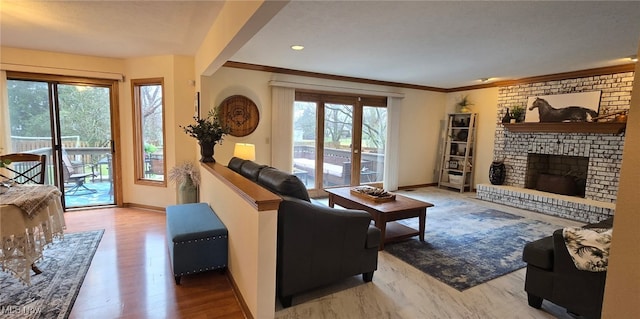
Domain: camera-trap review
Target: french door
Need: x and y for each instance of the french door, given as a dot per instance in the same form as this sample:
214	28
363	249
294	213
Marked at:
69	120
338	140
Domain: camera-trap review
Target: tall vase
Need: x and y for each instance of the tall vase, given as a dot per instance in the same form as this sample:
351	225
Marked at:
507	117
187	192
497	173
206	152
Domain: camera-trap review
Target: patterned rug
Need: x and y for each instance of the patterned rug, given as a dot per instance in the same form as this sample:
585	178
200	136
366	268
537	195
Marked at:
467	244
53	292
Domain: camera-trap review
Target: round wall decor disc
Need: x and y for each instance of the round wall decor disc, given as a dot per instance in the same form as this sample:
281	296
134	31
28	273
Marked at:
240	114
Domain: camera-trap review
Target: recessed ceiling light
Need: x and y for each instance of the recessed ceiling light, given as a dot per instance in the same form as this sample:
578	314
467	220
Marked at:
633	58
485	80
297	47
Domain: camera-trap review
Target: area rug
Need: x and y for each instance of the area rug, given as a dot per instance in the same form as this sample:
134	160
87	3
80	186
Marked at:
466	243
53	292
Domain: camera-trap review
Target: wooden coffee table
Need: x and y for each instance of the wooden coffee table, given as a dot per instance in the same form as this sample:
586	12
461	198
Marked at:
382	213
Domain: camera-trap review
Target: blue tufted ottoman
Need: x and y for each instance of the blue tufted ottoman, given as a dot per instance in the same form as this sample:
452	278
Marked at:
197	239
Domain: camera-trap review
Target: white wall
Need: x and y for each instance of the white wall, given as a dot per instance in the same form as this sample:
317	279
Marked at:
178	100
252	244
422	114
485	103
420	123
177	72
254	85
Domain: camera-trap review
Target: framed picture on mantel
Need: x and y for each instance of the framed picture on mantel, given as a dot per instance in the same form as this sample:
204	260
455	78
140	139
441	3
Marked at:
572	107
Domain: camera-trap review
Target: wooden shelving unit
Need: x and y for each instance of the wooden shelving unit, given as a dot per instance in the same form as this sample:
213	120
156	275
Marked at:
457	152
568	127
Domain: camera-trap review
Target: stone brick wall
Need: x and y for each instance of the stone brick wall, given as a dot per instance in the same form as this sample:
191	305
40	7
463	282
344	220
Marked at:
603	150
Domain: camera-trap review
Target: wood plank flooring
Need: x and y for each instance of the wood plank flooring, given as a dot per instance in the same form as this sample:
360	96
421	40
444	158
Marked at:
130	275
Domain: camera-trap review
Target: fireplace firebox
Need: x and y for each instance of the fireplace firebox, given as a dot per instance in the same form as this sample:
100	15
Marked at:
559	174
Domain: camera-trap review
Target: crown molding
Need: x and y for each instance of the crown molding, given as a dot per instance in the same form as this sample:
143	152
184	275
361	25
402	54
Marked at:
264	68
570	75
630	67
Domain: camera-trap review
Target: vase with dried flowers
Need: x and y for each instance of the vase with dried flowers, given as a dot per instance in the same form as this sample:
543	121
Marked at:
187	178
208	131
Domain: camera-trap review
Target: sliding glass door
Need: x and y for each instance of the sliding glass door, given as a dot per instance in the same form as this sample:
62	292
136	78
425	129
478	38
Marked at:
70	121
373	144
338	140
337	154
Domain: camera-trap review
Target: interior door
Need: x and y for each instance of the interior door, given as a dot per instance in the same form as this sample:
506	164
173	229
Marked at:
70	122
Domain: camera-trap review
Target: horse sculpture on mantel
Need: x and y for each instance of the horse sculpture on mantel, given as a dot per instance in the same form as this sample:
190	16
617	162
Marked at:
547	113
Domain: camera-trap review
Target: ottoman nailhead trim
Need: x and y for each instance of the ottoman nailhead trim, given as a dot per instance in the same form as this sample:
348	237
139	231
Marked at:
202	239
201	270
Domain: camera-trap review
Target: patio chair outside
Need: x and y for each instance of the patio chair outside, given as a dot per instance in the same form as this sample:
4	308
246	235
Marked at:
75	177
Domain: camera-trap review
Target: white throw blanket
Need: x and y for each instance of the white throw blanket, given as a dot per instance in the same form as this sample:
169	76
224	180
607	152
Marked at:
588	247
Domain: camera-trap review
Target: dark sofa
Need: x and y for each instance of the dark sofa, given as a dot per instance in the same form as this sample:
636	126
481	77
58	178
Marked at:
552	275
317	245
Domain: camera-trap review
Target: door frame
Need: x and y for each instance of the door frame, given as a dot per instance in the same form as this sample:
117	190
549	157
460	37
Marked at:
358	102
113	85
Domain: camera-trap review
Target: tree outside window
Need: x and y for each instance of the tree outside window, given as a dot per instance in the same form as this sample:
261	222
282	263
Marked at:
149	127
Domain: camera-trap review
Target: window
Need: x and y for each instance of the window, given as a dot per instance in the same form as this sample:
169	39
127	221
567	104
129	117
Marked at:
148	116
339	140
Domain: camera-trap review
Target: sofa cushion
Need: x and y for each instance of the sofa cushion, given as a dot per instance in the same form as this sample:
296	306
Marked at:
251	170
235	163
539	253
282	183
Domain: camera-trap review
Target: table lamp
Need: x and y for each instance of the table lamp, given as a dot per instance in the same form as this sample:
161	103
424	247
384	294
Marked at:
245	151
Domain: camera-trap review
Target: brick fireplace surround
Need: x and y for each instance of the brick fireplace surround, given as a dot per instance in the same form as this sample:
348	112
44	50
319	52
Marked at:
603	150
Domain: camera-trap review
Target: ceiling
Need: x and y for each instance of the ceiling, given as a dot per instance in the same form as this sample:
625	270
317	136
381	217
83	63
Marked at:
444	44
117	29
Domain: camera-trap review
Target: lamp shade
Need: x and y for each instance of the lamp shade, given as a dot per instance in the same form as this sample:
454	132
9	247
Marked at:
245	151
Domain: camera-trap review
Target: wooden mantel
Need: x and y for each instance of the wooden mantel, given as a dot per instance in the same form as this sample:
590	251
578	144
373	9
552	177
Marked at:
568	127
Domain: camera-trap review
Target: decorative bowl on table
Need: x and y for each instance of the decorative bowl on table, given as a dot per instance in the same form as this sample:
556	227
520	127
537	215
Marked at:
375	194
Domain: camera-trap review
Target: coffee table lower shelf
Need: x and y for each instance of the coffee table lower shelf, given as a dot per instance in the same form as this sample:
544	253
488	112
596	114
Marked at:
398	232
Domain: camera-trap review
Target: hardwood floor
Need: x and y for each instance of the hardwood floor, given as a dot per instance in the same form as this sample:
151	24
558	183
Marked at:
130	275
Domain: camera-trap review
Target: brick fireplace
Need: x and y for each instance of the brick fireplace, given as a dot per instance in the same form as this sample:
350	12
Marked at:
602	153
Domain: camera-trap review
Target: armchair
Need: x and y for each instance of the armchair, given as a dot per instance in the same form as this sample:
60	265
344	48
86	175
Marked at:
552	275
320	245
316	245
